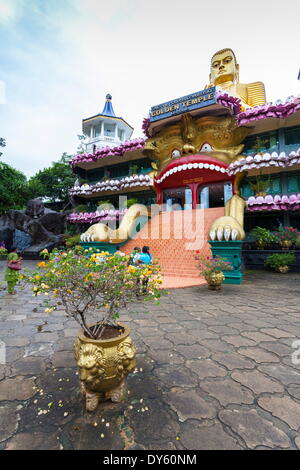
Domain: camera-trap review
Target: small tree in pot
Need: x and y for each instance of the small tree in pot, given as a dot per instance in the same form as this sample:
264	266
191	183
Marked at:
212	269
280	261
90	285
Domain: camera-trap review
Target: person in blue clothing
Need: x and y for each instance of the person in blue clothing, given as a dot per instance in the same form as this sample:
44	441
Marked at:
145	257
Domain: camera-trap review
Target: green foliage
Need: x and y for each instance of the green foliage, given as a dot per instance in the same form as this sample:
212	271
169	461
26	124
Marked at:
134	169
263	235
209	265
13	188
259	144
280	259
53	182
130	202
287	233
73	241
81	208
88	283
261	184
2	144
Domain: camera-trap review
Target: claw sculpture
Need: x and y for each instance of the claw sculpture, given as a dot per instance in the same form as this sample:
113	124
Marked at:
102	233
230	226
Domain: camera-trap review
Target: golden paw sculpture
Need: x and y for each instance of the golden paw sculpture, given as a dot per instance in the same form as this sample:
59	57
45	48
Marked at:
230	226
103	366
102	233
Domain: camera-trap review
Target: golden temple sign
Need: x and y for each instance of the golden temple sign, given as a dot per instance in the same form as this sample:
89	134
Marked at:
184	104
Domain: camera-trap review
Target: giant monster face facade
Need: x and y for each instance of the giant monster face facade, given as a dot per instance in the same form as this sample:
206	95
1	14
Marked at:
214	136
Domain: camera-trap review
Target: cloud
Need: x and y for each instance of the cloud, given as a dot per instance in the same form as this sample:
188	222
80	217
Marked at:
10	11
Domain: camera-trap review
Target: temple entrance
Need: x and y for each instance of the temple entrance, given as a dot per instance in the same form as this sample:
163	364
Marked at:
214	195
177	199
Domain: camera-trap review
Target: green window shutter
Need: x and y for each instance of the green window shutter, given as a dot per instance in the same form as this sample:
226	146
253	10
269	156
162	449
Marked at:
293	184
275	187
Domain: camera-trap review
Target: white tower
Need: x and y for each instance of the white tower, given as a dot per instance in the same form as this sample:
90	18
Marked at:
105	129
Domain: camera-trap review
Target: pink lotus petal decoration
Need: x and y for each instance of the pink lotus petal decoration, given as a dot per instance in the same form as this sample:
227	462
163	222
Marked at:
271	203
108	152
264	161
94	217
112	185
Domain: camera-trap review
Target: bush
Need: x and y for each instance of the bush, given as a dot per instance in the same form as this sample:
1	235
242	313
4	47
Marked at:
287	233
72	241
263	235
209	265
277	260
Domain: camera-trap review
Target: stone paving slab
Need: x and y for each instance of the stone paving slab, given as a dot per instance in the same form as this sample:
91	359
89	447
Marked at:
214	371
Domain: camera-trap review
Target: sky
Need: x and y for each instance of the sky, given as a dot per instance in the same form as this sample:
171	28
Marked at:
59	59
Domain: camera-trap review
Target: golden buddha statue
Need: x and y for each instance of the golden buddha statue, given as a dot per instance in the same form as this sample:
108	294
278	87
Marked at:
224	72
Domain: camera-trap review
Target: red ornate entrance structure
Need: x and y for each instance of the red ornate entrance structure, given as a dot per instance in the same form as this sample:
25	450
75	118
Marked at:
192	172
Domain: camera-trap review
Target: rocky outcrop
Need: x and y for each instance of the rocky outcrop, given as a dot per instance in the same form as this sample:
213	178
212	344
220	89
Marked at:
44	227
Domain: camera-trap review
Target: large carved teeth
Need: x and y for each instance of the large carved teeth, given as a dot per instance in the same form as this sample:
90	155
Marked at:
211	167
206	165
223	170
220	233
195	165
212	235
184	167
190	166
179	168
175	169
200	165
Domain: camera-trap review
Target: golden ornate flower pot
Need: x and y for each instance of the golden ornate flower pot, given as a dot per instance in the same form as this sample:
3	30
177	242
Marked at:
282	269
286	244
260	244
103	366
214	280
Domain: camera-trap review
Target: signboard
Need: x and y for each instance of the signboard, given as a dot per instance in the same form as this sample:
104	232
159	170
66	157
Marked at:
184	104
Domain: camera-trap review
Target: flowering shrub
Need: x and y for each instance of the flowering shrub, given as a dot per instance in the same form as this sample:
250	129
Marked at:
89	283
209	265
287	233
3	250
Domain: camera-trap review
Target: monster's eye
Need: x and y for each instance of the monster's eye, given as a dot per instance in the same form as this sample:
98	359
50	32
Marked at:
206	148
175	153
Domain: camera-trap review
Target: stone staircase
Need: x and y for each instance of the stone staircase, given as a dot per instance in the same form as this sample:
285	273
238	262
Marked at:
173	238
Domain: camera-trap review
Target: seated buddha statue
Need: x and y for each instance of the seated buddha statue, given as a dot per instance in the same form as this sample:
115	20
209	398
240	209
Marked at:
224	72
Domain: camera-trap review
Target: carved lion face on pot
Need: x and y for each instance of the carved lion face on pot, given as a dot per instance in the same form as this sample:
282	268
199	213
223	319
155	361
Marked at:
91	363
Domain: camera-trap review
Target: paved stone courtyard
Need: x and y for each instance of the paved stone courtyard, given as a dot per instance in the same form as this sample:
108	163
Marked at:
214	371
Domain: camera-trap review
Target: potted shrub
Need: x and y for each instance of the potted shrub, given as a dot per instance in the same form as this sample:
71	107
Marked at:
212	269
90	284
280	261
261	186
3	251
287	236
262	237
